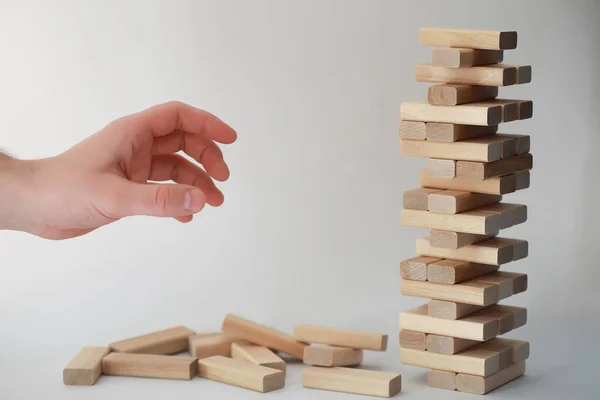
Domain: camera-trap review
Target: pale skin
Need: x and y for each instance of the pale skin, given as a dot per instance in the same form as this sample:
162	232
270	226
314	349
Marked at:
105	177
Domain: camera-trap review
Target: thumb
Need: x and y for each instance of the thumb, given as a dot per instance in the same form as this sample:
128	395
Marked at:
163	200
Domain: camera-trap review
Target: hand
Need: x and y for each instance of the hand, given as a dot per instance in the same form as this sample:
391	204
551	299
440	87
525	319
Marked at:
105	177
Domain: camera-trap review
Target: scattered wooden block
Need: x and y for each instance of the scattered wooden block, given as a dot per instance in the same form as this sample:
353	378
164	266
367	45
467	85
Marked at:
487	75
417	199
411	130
522	142
499	185
255	354
441	168
482	385
413	340
330	356
441	379
523	73
86	367
341	337
447	344
454	201
457	57
168	341
494	251
150	366
450	310
351	380
468	114
416	268
470	361
444	132
210	344
273	339
450	94
452	271
489	40
454	240
242	374
480	171
469	292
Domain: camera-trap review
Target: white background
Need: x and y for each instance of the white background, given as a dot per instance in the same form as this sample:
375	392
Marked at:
309	232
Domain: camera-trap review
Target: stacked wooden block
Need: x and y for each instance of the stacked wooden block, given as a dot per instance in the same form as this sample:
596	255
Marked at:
470	166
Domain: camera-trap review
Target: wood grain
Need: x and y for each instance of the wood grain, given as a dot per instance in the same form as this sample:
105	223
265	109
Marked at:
454	240
416	268
445	132
441	168
472	39
494	251
451	94
454	201
441	379
210	344
452	271
86	367
480	171
352	380
341	337
482	385
450	310
331	356
468	114
242	374
417	199
469	292
473	362
467	150
167	341
461	57
411	130
498	185
413	339
488	75
447	344
255	354
150	366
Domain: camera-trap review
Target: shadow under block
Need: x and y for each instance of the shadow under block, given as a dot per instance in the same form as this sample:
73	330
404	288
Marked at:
472	39
494	251
441	168
467	114
168	341
470	361
451	272
445	132
417	199
413	339
470	292
210	344
241	373
352	380
255	354
262	335
482	385
451	94
480	171
330	356
454	240
411	130
498	185
149	366
86	367
341	337
489	75
461	57
448	344
453	201
485	149
441	379
416	268
450	310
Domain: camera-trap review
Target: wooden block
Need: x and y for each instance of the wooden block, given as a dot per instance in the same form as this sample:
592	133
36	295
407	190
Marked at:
416	268
441	168
447	344
450	310
478	327
522	142
451	94
210	344
513	214
508	317
468	114
525	109
482	385
454	201
522	180
492	251
519	314
443	132
255	354
509	108
469	292
507	281
168	341
416	199
480	170
504	351
330	356
487	75
341	337
471	39
473	362
240	373
150	366
452	271
413	340
457	57
441	379
480	149
499	185
352	380
86	367
273	339
520	349
519	280
411	130
454	240
523	73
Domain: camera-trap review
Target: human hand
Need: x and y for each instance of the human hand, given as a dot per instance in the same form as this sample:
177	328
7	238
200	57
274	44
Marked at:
105	177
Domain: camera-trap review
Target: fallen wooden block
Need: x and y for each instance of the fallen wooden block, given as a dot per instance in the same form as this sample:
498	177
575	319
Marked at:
441	168
351	380
454	240
523	73
416	268
168	341
210	344
454	201
150	366
482	385
242	374
450	94
445	132
341	337
331	356
411	130
457	57
417	199
498	185
494	251
413	339
468	114
450	310
447	344
86	367
452	271
255	354
470	361
472	39
469	292
480	171
441	379
487	75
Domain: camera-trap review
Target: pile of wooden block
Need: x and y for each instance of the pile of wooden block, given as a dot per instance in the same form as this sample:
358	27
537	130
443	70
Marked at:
244	355
469	167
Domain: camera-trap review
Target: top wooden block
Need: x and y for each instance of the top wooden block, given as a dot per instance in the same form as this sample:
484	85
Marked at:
490	40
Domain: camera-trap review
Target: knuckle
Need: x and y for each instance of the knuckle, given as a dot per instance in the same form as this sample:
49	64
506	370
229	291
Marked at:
161	199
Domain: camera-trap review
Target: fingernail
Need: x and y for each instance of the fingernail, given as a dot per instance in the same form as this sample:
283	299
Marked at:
194	200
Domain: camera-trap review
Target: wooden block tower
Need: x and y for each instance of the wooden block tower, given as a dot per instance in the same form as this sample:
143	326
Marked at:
469	167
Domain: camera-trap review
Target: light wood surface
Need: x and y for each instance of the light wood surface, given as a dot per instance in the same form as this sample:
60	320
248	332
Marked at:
262	335
470	292
482	385
352	380
454	201
461	57
417	199
204	345
331	356
468	114
480	170
241	373
441	379
444	132
451	94
256	354
86	367
150	366
413	339
341	337
453	271
448	344
473	362
416	268
494	251
454	240
472	39
450	310
411	130
441	168
498	185
467	150
487	75
167	341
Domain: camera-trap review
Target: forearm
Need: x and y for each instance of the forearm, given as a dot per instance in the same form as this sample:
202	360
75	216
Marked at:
16	194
